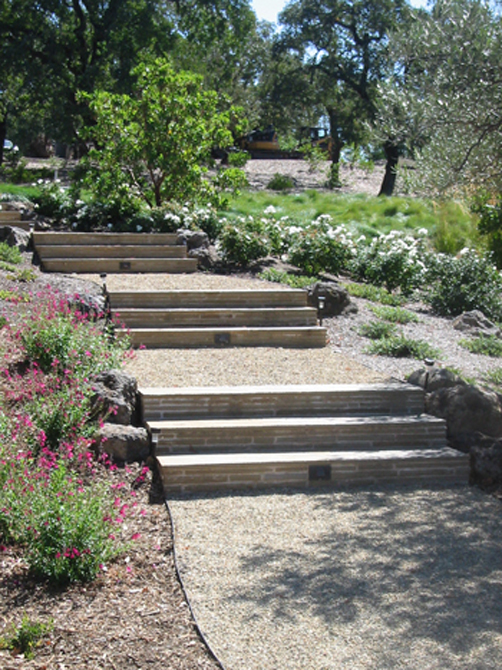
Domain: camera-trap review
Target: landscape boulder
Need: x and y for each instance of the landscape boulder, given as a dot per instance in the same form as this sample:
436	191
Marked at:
15	237
486	461
476	324
123	443
337	299
207	257
435	379
194	239
115	397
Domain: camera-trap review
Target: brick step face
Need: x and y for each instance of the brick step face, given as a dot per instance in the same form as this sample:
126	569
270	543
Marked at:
126	265
335	400
185	338
137	239
124	251
208	299
199	474
299	434
203	318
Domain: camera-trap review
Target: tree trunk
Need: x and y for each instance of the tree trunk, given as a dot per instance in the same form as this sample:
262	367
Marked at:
389	179
3	134
335	149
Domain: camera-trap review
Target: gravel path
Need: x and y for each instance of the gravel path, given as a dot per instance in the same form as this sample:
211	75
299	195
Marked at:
378	579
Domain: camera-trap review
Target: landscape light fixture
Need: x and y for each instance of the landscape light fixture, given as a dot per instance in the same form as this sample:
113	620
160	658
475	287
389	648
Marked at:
429	364
321	303
155	432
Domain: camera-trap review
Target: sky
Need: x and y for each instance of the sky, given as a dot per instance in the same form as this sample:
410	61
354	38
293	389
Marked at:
268	9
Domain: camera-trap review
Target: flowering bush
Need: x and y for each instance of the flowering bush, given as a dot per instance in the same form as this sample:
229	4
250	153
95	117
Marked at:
395	261
244	240
49	503
321	247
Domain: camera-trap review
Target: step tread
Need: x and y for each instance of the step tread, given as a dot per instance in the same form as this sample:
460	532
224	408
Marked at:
303	421
283	389
267	458
70	238
230	329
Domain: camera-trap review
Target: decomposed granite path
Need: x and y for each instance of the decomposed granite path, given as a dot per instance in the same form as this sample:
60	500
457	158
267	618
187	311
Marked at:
377	579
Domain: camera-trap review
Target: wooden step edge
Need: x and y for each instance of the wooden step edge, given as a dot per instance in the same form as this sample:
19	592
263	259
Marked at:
160	391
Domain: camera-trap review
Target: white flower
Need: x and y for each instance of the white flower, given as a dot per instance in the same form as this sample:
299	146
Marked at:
270	210
139	228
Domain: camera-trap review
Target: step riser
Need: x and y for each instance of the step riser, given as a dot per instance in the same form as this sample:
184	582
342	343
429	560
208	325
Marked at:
303	402
208	299
357	472
111	251
247	337
86	239
203	318
308	438
129	266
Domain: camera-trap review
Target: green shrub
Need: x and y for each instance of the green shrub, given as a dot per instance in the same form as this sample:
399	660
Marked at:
395	261
494	376
9	254
244	241
399	346
464	283
375	294
295	281
24	639
394	314
488	345
281	182
319	247
376	330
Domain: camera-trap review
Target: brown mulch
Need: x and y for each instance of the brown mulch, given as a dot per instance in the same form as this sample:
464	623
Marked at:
133	616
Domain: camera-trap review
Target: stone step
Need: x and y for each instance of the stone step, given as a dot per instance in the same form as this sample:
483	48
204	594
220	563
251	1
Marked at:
14	220
363	433
136	239
182	338
113	266
220	472
281	401
213	298
111	251
217	317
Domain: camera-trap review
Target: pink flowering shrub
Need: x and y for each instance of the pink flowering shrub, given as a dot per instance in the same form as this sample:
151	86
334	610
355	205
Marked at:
50	502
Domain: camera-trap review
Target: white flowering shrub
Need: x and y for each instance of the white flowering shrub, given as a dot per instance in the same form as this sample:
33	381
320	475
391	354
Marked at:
244	240
321	246
396	260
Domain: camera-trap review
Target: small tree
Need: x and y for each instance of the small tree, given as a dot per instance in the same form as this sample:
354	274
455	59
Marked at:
155	144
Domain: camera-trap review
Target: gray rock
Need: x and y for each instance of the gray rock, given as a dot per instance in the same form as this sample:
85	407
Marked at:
123	443
115	396
207	257
337	299
194	239
15	237
475	324
486	461
435	379
466	409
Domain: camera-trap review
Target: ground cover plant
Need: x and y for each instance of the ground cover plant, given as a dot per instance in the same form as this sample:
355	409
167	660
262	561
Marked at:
488	345
51	504
394	314
400	346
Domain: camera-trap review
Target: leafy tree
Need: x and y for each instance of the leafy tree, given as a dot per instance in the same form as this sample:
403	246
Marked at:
343	45
155	143
57	48
444	101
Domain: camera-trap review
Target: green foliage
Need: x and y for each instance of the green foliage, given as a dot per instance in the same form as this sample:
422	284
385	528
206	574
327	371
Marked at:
238	159
154	144
25	638
281	182
394	314
319	247
494	377
487	345
23	276
394	260
244	241
9	254
376	330
295	281
375	294
399	346
461	284
489	209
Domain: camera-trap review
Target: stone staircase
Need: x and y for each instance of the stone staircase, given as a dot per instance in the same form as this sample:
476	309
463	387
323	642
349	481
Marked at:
13	219
112	253
266	318
212	439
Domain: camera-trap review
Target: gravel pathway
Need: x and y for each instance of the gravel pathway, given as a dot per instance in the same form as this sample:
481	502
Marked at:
378	579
